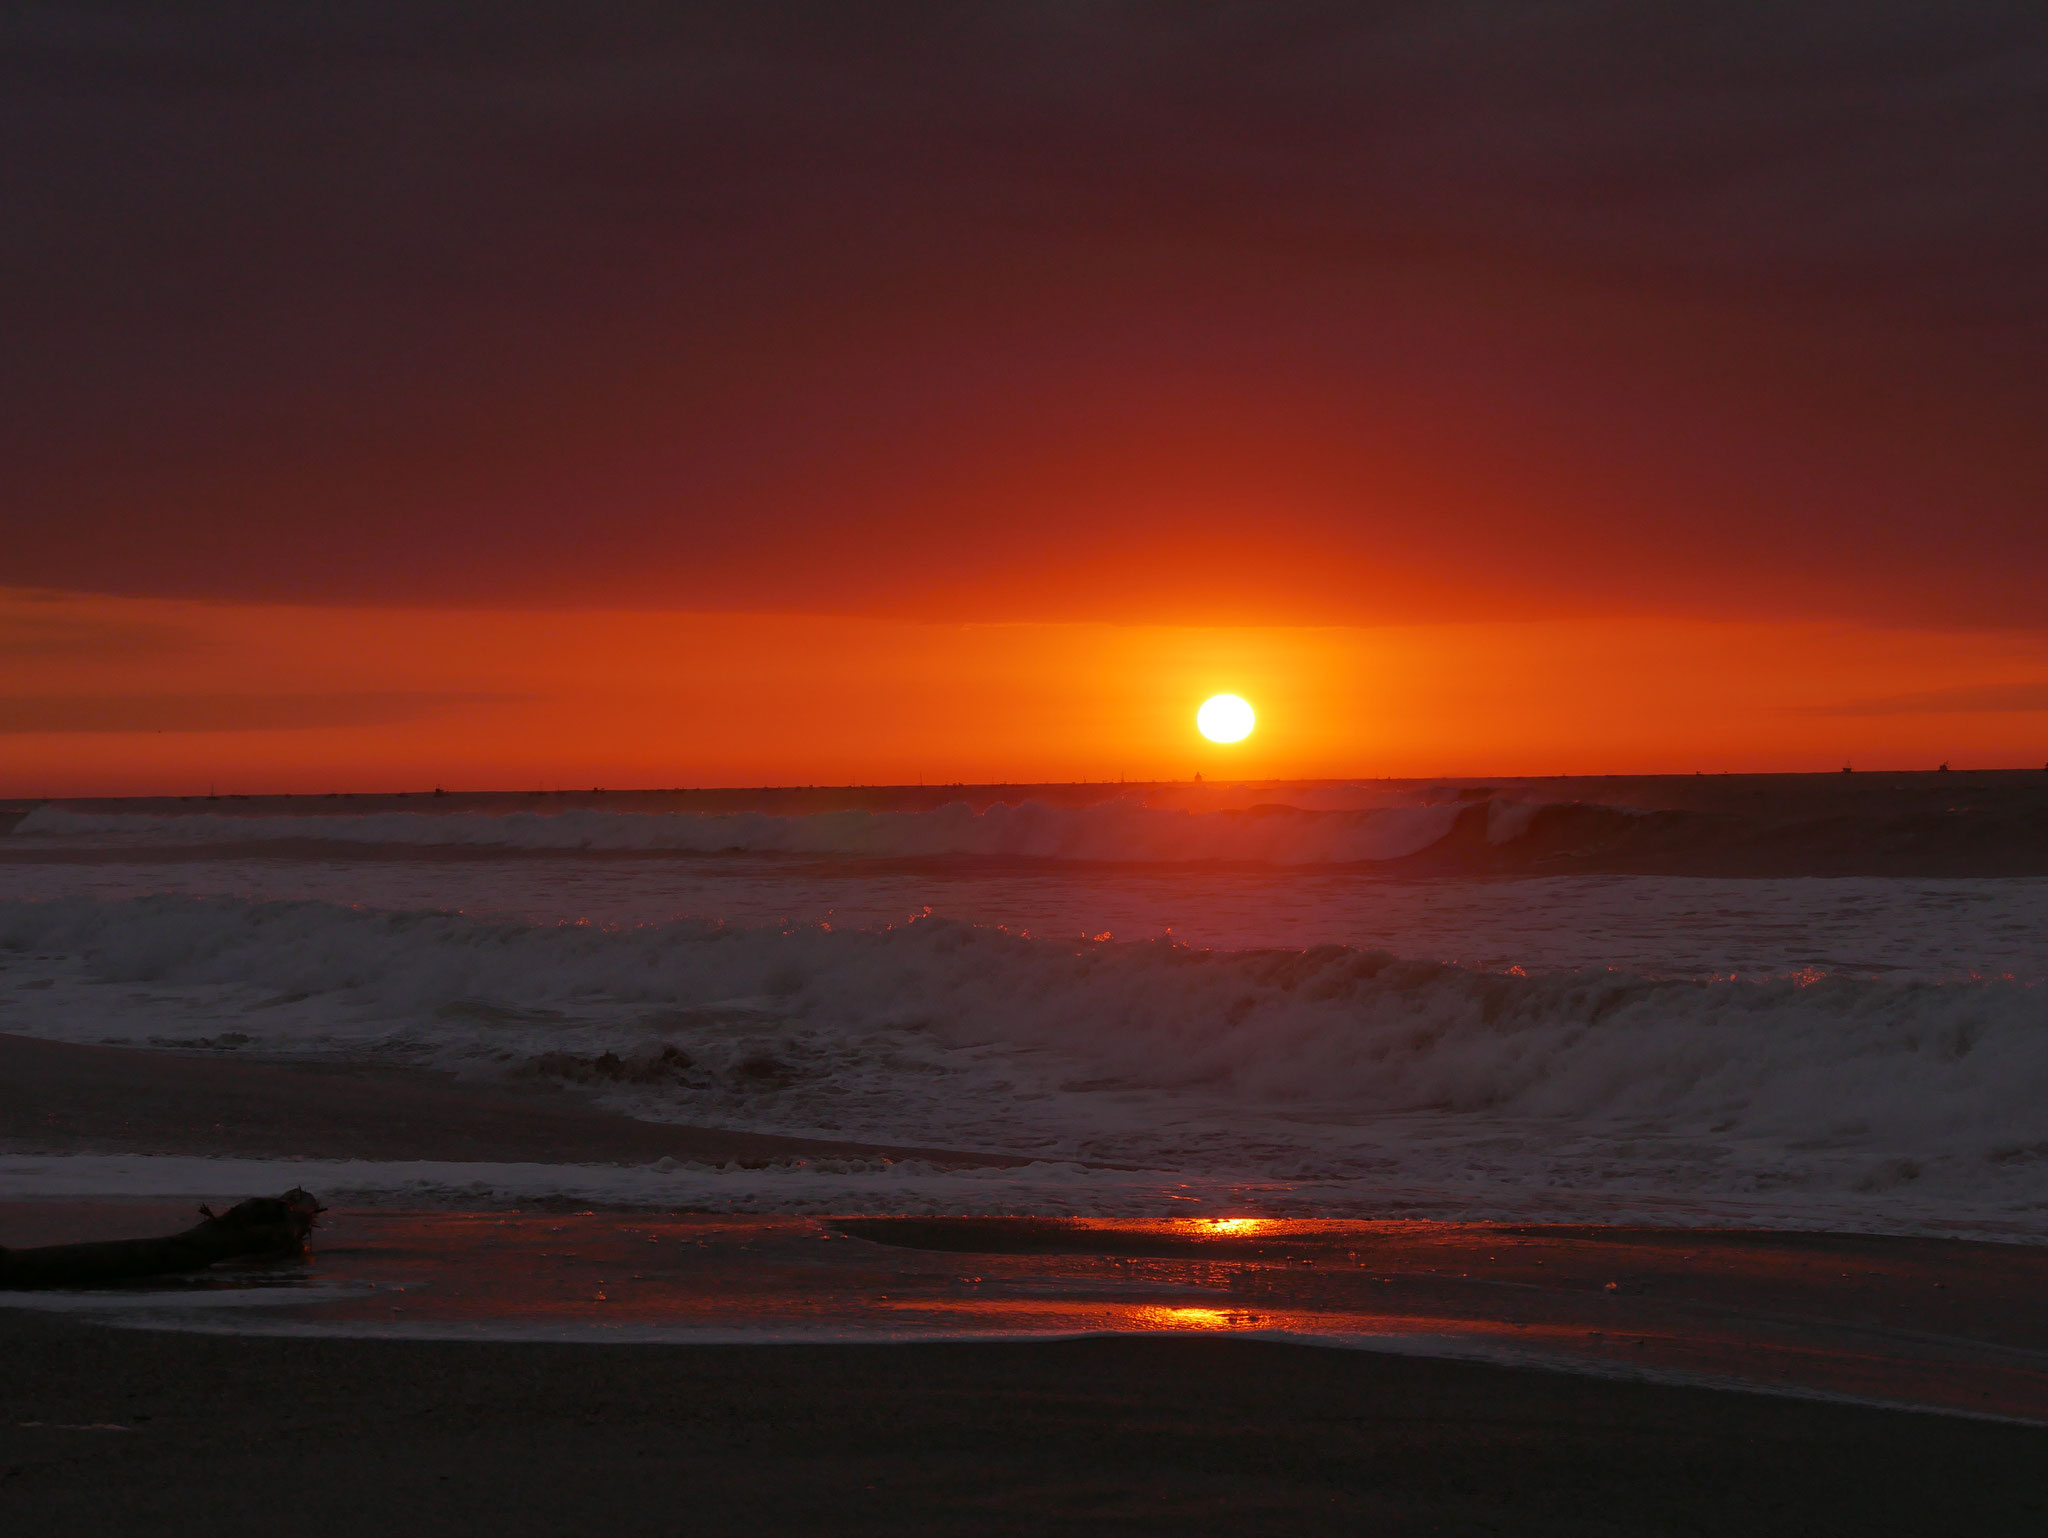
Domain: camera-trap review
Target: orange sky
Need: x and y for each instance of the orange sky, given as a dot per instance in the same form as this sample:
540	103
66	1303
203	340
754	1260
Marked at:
124	696
679	394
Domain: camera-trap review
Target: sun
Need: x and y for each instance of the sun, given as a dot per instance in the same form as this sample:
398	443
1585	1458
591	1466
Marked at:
1224	718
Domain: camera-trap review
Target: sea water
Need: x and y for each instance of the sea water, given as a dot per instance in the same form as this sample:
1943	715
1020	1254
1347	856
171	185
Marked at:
1167	1010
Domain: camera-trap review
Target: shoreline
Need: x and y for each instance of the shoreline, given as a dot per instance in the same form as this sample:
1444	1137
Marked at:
61	1097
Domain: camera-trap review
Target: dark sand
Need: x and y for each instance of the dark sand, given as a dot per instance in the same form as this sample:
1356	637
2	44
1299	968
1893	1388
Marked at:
227	1436
60	1098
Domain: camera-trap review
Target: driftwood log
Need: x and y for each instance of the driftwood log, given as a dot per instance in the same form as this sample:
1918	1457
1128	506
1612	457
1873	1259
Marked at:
262	1227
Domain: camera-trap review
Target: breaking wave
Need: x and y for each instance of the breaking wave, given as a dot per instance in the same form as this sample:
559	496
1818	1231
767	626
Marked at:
1909	1071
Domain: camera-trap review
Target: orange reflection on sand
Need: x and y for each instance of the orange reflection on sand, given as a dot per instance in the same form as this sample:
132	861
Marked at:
1204	1228
1931	1322
1150	1318
1085	1313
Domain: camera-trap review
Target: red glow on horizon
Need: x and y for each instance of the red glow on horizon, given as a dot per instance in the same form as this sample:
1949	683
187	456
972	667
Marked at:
135	697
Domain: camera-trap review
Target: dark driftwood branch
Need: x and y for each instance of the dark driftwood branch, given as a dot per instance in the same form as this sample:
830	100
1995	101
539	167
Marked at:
261	1226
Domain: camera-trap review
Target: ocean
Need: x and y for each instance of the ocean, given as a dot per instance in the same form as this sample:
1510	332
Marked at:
1797	1001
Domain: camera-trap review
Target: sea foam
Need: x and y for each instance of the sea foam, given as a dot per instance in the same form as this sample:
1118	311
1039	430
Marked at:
1296	1063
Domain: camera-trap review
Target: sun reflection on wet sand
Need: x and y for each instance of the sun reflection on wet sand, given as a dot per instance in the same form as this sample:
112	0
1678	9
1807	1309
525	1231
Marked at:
1193	1319
1939	1323
1231	1225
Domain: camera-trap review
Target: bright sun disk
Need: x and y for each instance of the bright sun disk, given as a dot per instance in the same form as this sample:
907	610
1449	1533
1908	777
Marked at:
1224	718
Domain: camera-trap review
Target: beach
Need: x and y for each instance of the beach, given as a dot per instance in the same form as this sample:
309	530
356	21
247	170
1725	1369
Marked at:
470	1366
1024	769
895	1164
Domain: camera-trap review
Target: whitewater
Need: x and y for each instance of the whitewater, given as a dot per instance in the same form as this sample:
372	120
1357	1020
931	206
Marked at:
1246	1009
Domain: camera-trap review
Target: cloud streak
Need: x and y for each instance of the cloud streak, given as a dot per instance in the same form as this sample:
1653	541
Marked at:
29	636
226	712
1996	698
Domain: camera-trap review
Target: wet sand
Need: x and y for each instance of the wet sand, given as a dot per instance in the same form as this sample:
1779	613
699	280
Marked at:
1940	1324
56	1097
1183	1436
